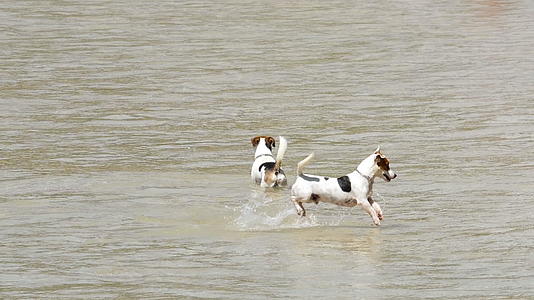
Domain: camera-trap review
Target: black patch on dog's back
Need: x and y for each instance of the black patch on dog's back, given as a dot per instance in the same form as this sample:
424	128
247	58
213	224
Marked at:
326	178
308	178
344	183
267	165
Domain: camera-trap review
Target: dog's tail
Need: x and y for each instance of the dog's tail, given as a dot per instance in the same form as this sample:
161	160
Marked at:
281	151
302	163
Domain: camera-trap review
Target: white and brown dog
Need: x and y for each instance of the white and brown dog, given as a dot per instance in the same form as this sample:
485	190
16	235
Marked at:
266	171
350	190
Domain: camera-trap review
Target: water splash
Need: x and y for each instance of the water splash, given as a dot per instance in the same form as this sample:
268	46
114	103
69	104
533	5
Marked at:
265	211
274	211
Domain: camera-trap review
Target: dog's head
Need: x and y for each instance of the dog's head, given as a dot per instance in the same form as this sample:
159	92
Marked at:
382	164
275	178
273	175
269	141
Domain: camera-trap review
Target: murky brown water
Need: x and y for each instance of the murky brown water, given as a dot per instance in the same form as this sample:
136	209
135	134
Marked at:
125	155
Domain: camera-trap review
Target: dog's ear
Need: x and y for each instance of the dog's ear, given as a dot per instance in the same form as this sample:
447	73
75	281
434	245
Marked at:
255	141
382	162
377	151
379	161
271	141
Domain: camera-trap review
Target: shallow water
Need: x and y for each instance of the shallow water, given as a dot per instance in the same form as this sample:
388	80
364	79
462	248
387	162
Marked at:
125	148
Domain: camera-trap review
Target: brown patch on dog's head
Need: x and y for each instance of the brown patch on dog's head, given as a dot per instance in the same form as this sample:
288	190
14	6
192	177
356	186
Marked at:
255	140
269	141
382	162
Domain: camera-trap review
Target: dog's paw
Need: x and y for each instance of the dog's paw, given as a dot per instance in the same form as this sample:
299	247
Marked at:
380	217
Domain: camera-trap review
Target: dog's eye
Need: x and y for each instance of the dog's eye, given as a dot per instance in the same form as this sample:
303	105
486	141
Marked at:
276	173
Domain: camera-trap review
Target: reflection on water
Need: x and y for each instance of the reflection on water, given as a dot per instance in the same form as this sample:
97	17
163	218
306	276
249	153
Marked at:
125	150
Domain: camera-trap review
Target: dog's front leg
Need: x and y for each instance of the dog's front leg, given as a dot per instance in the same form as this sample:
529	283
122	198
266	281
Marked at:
298	205
376	208
371	211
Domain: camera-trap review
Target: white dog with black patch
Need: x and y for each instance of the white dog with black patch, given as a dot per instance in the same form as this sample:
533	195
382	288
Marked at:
266	171
350	190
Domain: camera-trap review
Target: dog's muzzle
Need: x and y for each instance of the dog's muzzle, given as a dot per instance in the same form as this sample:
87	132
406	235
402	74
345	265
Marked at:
389	176
281	179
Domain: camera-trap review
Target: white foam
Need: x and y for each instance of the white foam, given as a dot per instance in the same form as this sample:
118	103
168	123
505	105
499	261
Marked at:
269	212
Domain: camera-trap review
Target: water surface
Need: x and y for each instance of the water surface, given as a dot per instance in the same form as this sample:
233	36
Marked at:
125	148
